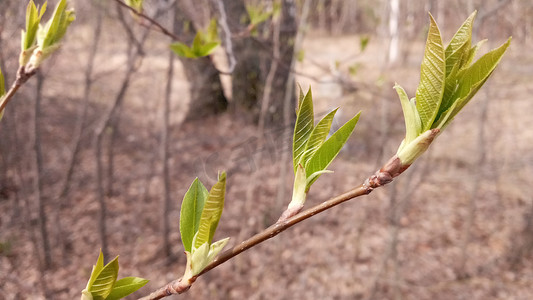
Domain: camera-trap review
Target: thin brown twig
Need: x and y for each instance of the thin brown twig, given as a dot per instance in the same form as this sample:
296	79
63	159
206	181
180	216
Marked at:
390	170
149	19
22	76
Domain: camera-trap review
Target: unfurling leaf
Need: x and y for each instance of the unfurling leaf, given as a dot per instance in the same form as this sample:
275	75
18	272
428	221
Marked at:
105	280
33	18
203	44
191	212
432	75
413	124
318	136
211	213
303	127
126	286
459	46
50	35
329	150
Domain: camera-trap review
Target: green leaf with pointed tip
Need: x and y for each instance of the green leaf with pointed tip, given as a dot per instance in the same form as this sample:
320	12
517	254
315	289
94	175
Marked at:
473	78
301	97
480	70
191	212
207	49
302	128
445	117
318	136
450	86
196	43
96	270
211	213
182	50
363	42
33	18
432	75
212	31
215	249
198	259
102	286
329	150
460	43
126	286
472	53
53	25
413	125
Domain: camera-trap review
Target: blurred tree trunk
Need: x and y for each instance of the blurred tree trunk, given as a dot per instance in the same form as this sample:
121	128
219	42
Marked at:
254	58
246	79
206	92
40	173
394	17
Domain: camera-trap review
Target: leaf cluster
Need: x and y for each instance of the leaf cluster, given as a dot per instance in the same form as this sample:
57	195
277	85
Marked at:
200	213
103	283
312	151
39	41
203	44
448	80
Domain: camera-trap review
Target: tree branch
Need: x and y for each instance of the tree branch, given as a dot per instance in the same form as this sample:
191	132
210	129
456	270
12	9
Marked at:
150	20
22	76
382	177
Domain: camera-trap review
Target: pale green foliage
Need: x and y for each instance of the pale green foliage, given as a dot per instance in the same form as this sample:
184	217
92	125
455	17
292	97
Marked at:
448	81
191	212
199	217
38	41
204	43
258	14
135	4
103	284
211	213
312	152
432	74
29	37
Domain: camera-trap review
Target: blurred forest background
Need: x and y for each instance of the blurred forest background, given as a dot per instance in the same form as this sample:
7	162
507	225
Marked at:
97	151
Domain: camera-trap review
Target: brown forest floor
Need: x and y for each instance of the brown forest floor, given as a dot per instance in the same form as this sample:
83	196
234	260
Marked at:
404	241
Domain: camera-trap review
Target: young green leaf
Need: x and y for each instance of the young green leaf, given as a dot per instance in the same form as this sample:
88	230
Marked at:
480	70
56	27
432	75
460	43
182	50
303	128
126	286
102	286
96	270
191	212
450	87
33	18
207	49
472	53
215	248
413	125
211	213
329	150
318	136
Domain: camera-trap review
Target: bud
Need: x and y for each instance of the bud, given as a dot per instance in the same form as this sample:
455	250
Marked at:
410	152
